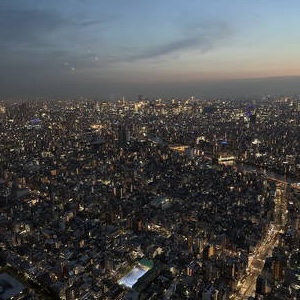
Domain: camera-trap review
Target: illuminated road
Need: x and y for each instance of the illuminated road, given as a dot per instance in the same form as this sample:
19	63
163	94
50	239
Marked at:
247	286
256	263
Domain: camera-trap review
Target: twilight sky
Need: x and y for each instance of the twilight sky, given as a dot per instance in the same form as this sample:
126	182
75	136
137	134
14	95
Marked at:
108	48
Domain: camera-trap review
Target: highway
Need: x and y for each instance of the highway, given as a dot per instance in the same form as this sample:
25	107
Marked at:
246	287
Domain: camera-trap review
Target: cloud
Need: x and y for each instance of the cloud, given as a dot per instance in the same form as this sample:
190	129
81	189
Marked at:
90	23
38	43
43	40
27	27
42	47
173	47
201	38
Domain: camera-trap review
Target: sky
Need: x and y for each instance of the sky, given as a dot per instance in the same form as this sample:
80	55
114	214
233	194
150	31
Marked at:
108	48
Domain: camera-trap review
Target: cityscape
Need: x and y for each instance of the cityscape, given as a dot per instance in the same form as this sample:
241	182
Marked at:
162	199
149	150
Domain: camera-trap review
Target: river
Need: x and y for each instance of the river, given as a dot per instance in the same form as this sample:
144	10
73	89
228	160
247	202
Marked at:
267	173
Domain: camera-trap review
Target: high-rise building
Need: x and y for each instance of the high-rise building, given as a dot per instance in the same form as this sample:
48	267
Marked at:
123	136
262	286
208	251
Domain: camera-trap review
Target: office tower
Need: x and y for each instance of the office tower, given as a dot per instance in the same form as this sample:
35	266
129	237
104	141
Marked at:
123	136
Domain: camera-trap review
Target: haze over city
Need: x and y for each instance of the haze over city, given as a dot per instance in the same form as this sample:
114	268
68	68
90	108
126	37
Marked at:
156	48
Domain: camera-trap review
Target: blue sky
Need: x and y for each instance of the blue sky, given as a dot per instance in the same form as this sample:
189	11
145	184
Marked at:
93	47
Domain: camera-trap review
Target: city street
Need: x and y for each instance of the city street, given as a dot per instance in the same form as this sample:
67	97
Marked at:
247	286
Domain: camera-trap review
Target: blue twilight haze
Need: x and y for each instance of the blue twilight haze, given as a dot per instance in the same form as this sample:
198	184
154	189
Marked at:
109	47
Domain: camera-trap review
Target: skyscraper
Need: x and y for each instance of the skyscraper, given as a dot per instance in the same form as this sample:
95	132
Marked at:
123	136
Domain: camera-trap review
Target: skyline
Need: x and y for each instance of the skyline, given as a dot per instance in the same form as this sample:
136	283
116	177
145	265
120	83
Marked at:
157	48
